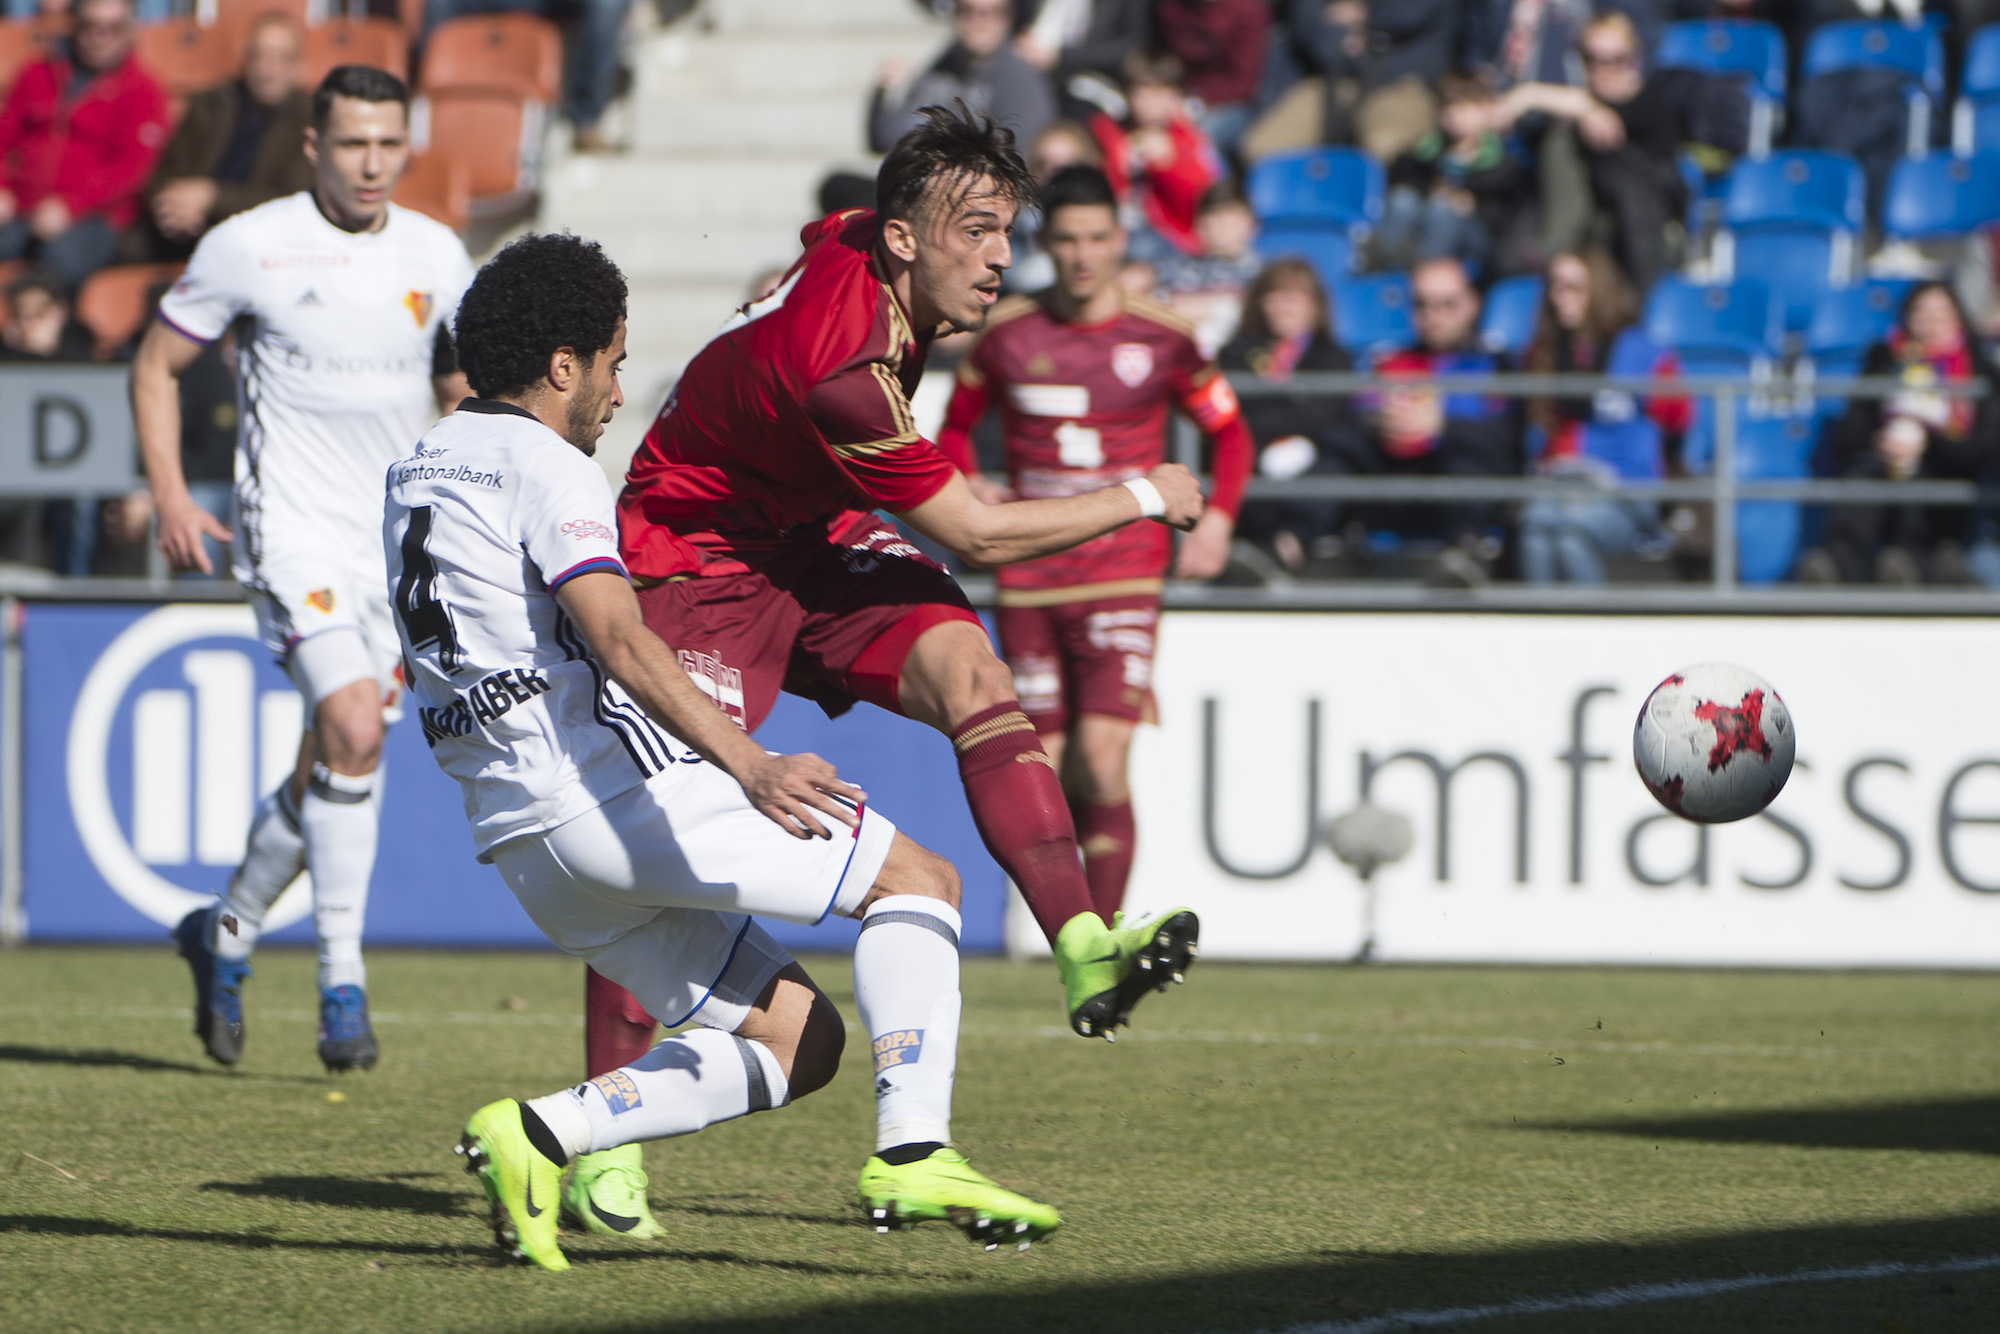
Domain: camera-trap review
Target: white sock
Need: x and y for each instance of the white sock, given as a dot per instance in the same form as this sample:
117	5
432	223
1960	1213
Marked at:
687	1082
272	858
340	823
906	985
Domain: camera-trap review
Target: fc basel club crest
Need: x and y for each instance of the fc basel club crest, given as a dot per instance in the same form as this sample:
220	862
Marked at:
419	306
1131	363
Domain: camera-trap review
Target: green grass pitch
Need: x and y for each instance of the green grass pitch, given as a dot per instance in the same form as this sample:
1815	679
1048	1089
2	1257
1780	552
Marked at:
1273	1147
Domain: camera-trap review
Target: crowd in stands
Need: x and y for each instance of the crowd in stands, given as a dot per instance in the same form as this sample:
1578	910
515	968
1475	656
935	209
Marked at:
1621	187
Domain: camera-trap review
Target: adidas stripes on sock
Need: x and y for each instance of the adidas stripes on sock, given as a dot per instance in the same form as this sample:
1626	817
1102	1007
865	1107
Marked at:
340	823
689	1081
273	856
906	986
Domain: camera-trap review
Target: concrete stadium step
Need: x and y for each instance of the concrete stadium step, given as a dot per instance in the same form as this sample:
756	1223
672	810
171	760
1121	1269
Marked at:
734	16
796	63
676	189
732	251
828	125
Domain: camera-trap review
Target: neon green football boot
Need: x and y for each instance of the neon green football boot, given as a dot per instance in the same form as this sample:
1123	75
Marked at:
944	1188
606	1194
1107	970
523	1188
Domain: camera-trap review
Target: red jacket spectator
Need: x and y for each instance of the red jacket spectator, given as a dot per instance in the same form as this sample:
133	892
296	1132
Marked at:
92	148
1169	191
1222	43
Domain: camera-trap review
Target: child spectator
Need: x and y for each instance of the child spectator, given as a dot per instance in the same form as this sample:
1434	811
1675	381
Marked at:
1157	160
1458	188
1588	325
1286	329
1208	287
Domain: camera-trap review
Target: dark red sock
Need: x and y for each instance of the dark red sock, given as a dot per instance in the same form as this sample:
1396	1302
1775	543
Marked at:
1105	833
616	1028
1018	804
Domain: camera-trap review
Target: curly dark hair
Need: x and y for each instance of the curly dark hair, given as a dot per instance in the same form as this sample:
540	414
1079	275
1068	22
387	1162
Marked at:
539	295
936	165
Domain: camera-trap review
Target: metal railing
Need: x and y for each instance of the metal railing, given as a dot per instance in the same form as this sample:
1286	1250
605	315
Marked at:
1789	396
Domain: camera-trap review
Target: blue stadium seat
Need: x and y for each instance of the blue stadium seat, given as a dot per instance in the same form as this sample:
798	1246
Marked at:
1981	74
1507	325
1794	219
1976	127
1734	46
1330	251
1941	196
1917	52
1848	322
1330	187
1371	314
1739	318
1975	122
1767	531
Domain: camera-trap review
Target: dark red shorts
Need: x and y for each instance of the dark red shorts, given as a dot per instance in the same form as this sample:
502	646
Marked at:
1082	657
832	623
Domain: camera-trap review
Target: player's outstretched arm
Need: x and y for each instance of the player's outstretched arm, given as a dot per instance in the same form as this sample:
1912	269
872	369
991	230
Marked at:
982	534
156	414
786	788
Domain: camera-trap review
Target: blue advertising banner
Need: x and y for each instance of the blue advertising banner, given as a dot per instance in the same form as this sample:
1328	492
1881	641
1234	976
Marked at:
151	733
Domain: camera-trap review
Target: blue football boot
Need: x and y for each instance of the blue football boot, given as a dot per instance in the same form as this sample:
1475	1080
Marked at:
218	986
346	1042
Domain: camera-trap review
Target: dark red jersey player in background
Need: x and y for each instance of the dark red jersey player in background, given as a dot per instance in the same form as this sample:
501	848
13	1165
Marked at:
1085	376
747	519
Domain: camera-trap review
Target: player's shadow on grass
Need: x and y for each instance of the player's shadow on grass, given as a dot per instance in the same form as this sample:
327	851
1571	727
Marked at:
385	1195
1942	1125
105	1058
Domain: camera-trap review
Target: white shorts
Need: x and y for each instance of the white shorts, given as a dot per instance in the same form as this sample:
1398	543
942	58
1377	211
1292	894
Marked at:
655	889
297	598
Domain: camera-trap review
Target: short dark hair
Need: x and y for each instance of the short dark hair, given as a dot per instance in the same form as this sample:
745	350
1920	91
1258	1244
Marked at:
1078	186
363	83
39	279
939	162
1223	194
541	294
1159	69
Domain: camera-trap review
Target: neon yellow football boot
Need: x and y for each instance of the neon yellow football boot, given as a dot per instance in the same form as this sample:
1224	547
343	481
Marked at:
606	1194
523	1188
1106	971
944	1188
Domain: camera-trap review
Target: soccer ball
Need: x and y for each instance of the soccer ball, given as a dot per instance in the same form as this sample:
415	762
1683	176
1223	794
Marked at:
1714	743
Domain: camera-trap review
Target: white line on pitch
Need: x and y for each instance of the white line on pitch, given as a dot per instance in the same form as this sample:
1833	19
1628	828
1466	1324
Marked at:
1637	1294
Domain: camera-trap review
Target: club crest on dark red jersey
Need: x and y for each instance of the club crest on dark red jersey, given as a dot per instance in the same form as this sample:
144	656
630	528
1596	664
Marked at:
1131	363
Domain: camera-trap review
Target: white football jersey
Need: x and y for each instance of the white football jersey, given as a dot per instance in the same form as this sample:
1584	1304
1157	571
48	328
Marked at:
334	362
491	515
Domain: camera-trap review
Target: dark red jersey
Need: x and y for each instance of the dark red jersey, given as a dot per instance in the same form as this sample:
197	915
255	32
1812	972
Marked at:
1085	406
788	427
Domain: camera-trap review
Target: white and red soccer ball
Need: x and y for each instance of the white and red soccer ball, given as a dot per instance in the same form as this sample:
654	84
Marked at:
1714	743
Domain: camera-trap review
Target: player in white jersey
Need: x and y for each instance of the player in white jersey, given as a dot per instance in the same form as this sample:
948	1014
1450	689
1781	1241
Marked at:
635	822
341	303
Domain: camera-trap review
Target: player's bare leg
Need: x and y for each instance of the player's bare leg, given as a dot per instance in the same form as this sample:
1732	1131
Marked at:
1095	772
952	680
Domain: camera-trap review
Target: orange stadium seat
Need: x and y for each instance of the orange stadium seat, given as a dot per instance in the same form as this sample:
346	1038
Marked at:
187	57
23	41
378	42
518	52
233	16
438	186
10	269
114	302
496	135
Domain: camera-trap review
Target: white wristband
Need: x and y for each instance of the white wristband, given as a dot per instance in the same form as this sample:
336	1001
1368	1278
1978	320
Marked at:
1152	504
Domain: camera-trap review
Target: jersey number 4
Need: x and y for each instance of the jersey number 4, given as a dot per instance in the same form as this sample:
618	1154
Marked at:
426	620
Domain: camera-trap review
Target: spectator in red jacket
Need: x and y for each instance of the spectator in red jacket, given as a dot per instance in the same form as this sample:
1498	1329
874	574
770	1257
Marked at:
78	136
1157	159
1222	44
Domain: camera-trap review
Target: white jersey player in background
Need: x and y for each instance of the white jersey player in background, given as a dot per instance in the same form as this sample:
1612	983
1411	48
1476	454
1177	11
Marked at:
635	822
341	303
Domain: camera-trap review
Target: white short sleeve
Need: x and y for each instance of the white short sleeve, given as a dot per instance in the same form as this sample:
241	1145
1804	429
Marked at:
568	521
213	290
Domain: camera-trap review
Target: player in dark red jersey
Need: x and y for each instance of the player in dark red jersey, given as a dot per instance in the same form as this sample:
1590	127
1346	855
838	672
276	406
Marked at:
747	519
1085	376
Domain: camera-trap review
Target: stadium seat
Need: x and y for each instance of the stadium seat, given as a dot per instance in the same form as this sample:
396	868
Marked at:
1939	197
1738	319
518	53
1767	531
1371	314
10	269
1976	116
440	187
115	302
497	135
23	41
1917	53
1854	319
366	41
187	57
1327	187
1734	46
234	16
1794	220
1513	305
1329	251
